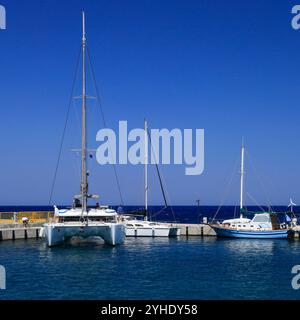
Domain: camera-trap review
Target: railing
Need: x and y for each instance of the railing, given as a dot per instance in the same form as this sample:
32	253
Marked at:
32	216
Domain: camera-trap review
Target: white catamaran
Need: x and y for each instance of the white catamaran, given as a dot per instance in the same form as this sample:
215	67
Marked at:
82	220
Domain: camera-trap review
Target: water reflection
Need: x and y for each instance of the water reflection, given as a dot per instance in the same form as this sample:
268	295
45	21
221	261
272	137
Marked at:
244	246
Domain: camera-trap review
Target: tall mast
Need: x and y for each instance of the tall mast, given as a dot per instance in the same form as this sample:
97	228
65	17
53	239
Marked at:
84	183
242	179
146	169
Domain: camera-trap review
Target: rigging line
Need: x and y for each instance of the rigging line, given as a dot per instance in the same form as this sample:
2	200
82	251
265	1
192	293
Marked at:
251	162
103	119
227	189
65	127
157	170
161	180
76	164
168	197
252	198
77	116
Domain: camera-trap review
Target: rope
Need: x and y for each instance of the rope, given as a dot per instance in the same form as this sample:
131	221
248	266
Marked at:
104	121
251	162
161	182
258	205
157	170
227	190
64	129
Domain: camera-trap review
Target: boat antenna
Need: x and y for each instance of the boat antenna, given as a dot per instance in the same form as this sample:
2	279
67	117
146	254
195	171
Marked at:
84	182
242	179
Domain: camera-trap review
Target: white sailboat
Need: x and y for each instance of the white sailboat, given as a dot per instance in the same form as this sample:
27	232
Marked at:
264	225
82	220
146	228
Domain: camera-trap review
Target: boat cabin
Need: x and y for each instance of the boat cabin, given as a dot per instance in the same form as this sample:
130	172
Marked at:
260	221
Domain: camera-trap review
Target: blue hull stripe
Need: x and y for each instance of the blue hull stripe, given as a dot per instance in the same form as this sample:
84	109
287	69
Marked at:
229	233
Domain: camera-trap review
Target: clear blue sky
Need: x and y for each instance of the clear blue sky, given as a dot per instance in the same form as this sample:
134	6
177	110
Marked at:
230	67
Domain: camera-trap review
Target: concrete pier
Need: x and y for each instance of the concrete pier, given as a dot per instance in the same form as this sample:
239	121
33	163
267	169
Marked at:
195	229
296	232
16	231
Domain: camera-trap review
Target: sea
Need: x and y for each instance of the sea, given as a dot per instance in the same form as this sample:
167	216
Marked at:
193	268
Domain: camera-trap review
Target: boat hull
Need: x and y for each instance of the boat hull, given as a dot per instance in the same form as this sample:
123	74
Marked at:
57	233
247	234
147	232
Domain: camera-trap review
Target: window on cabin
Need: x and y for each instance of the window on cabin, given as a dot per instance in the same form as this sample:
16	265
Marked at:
262	218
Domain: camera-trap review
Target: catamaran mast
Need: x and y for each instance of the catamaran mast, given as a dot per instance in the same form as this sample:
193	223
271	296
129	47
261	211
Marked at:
84	183
146	170
242	179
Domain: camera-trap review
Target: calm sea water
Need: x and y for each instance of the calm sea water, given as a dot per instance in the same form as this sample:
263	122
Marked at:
154	268
193	268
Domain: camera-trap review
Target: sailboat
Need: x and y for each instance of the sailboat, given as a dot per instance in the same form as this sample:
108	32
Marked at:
82	220
145	228
263	225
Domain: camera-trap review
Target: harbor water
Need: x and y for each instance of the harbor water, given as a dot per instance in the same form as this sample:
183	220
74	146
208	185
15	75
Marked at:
151	268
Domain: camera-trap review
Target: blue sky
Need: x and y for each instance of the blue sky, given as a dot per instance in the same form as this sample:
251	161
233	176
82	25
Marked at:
230	67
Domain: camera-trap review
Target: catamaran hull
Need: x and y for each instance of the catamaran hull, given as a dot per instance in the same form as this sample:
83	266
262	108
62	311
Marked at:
230	233
57	234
